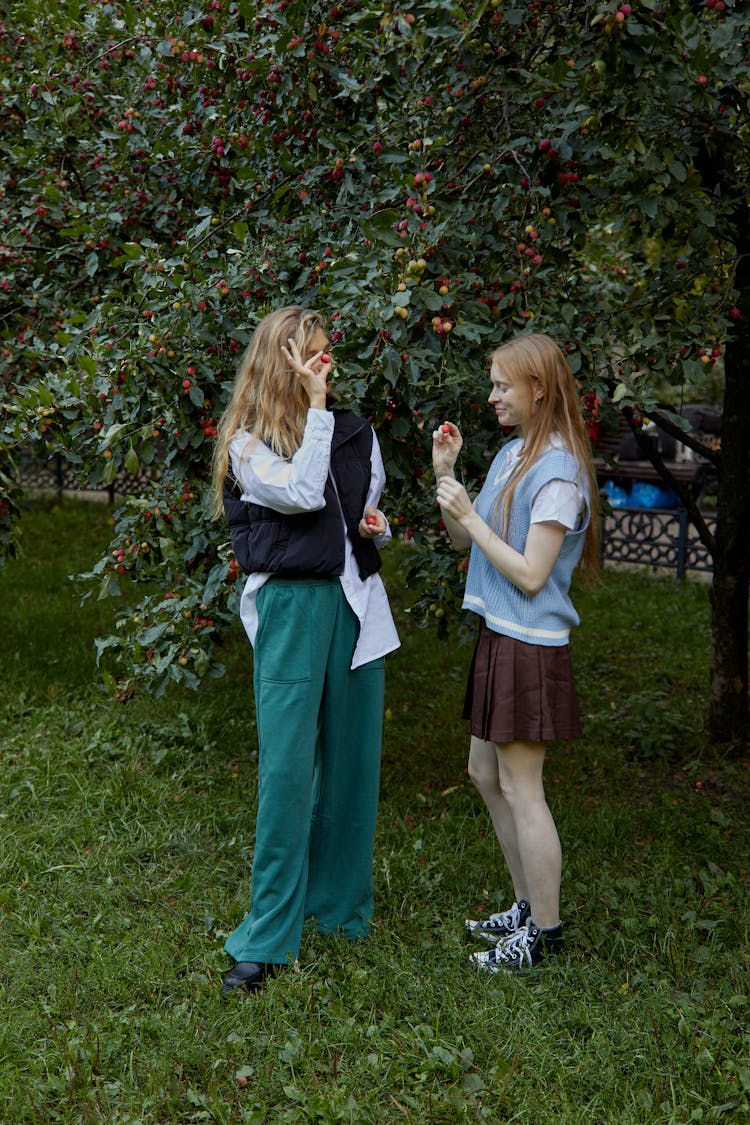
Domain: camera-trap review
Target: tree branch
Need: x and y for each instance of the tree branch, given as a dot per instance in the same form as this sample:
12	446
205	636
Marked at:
685	436
686	497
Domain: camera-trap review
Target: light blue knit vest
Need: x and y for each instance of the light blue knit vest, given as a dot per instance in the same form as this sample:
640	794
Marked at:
547	617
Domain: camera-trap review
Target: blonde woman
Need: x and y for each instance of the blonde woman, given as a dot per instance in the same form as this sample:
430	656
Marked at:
533	522
300	484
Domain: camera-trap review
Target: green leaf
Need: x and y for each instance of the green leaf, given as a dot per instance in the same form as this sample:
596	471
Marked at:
109	588
112	435
384	219
391	365
167	548
383	235
678	170
214	583
131	461
152	635
87	363
129	14
102	644
430	299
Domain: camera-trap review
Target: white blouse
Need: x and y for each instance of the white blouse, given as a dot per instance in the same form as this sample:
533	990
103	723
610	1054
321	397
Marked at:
557	501
298	486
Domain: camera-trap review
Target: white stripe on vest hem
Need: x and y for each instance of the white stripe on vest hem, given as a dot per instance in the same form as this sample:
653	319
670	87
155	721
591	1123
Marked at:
552	634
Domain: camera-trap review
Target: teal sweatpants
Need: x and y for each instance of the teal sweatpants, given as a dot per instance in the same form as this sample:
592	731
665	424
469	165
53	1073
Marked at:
319	734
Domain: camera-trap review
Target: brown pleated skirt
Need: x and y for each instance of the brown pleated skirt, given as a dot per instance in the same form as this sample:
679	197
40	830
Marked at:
518	691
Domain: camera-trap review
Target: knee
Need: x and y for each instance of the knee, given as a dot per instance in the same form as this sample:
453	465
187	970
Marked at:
483	778
520	779
524	801
510	794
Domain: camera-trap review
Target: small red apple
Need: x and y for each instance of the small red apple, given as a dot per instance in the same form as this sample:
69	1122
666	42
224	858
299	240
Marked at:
371	521
445	428
324	357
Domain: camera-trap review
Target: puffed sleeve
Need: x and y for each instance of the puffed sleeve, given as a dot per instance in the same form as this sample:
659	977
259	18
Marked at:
559	501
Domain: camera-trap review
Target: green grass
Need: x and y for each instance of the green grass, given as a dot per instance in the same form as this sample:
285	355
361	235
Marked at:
126	833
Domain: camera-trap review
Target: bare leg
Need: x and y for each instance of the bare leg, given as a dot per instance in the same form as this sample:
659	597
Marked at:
520	779
485	773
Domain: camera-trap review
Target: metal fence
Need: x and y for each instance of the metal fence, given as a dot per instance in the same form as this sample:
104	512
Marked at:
659	537
38	471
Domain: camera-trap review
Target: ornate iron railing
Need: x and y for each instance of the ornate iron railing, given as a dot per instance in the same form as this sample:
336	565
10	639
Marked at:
657	537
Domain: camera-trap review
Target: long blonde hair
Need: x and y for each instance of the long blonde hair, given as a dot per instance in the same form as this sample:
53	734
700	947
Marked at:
554	408
268	399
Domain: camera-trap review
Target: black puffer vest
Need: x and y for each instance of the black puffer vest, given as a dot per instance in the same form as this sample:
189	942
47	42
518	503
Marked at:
310	543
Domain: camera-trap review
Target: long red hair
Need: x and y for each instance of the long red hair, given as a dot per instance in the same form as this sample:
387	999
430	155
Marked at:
554	408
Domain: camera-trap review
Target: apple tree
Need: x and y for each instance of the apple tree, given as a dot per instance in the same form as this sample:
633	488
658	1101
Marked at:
432	176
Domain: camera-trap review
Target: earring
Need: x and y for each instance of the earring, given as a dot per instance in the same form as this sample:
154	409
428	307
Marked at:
537	402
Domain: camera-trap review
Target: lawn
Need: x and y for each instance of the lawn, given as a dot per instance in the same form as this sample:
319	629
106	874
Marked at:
126	836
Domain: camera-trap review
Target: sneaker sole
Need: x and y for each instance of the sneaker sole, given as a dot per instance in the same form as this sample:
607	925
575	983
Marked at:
515	970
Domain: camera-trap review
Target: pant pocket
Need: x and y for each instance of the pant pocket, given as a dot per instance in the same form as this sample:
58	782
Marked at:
283	642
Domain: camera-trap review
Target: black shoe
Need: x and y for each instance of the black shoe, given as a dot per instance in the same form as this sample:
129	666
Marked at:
245	974
502	925
523	950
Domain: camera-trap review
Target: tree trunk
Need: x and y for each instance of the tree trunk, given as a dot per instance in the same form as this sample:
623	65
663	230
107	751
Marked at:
729	719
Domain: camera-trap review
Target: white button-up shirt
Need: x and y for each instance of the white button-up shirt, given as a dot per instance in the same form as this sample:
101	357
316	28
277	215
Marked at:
297	486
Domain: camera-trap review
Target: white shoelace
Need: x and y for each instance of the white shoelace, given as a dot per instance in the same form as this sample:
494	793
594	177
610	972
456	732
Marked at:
515	948
509	918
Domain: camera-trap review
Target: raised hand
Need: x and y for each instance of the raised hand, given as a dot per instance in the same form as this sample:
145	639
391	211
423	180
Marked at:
446	446
313	372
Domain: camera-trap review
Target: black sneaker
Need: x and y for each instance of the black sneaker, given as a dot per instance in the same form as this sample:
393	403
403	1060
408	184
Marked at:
523	950
502	925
